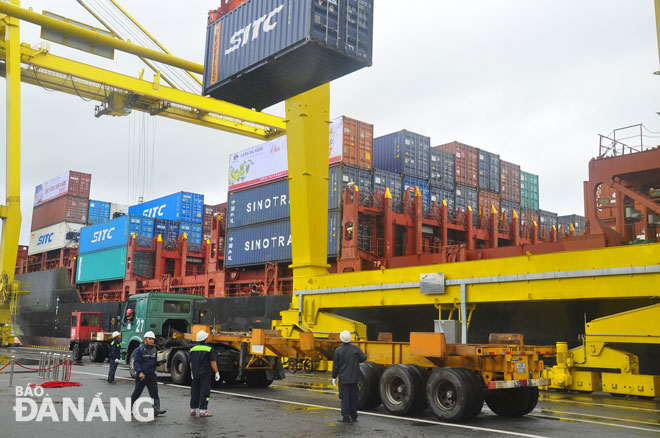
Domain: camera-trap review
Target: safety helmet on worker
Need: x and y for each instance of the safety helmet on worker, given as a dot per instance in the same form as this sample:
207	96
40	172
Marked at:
201	336
115	334
149	334
345	336
129	312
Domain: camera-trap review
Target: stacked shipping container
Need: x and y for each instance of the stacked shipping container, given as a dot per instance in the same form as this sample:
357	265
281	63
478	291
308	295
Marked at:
466	162
403	152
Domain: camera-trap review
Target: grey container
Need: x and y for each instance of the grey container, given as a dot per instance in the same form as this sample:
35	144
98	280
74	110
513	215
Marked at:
266	51
271	242
438	195
442	173
507	208
489	171
383	179
576	220
547	219
467	196
346	175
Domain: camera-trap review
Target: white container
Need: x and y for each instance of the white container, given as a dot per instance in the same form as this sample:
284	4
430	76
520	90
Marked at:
117	208
54	237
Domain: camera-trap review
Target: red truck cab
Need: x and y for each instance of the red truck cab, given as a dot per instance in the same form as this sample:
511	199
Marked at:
85	325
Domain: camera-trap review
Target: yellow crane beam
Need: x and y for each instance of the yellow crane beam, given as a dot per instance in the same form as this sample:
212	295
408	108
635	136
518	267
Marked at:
53	72
16	11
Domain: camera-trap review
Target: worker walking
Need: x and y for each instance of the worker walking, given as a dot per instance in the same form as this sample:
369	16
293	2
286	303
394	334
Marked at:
113	356
145	362
346	366
202	361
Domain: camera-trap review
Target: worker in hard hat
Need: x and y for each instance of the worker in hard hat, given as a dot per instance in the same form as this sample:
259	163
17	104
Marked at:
202	362
113	355
144	362
130	314
346	366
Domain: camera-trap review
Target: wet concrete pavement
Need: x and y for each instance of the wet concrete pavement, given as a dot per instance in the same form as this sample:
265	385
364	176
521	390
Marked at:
306	405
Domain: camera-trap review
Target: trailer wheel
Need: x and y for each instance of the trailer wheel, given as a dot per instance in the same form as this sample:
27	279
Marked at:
180	368
76	353
131	363
477	393
514	402
400	389
257	379
95	352
368	380
448	394
293	365
422	379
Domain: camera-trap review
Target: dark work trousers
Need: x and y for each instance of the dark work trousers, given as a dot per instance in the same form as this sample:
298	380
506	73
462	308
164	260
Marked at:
111	372
152	386
200	390
348	393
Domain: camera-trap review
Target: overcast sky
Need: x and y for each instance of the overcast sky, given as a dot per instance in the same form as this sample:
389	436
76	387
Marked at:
533	81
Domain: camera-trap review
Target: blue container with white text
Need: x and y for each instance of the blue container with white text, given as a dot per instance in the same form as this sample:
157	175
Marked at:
181	206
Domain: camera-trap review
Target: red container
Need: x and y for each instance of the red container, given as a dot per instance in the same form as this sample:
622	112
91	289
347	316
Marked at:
529	216
69	183
211	212
467	162
67	208
510	181
357	140
488	199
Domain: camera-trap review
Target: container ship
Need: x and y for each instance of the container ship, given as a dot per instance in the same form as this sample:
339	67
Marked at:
393	201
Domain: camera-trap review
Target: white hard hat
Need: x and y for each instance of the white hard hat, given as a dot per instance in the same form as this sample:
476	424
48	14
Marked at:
115	334
345	336
201	336
149	334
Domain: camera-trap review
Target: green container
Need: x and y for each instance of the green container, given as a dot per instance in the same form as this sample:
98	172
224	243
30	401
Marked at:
104	265
529	191
143	264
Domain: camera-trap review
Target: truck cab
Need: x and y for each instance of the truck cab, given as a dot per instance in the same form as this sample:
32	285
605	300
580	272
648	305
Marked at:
85	332
162	313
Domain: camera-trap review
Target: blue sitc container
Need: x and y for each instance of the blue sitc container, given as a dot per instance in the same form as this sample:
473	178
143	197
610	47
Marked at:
194	234
99	211
142	228
442	172
181	206
104	235
271	242
403	152
422	185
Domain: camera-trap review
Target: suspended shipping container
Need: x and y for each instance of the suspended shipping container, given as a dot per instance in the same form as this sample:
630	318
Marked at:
99	211
489	171
264	52
442	172
62	235
466	162
271	242
422	185
510	182
69	183
104	235
181	206
403	152
109	264
529	191
66	208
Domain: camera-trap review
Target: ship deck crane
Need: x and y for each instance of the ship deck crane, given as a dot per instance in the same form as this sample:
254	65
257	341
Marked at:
568	276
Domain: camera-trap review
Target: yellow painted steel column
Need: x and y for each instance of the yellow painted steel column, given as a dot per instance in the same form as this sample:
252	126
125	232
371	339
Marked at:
11	224
308	128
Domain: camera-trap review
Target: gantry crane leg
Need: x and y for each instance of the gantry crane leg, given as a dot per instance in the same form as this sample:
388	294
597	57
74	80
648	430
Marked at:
11	211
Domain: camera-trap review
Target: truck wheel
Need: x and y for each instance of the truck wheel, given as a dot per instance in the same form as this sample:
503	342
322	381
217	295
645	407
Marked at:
180	368
95	352
422	379
477	391
257	379
514	402
293	365
76	353
449	394
368	393
131	364
105	351
400	389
